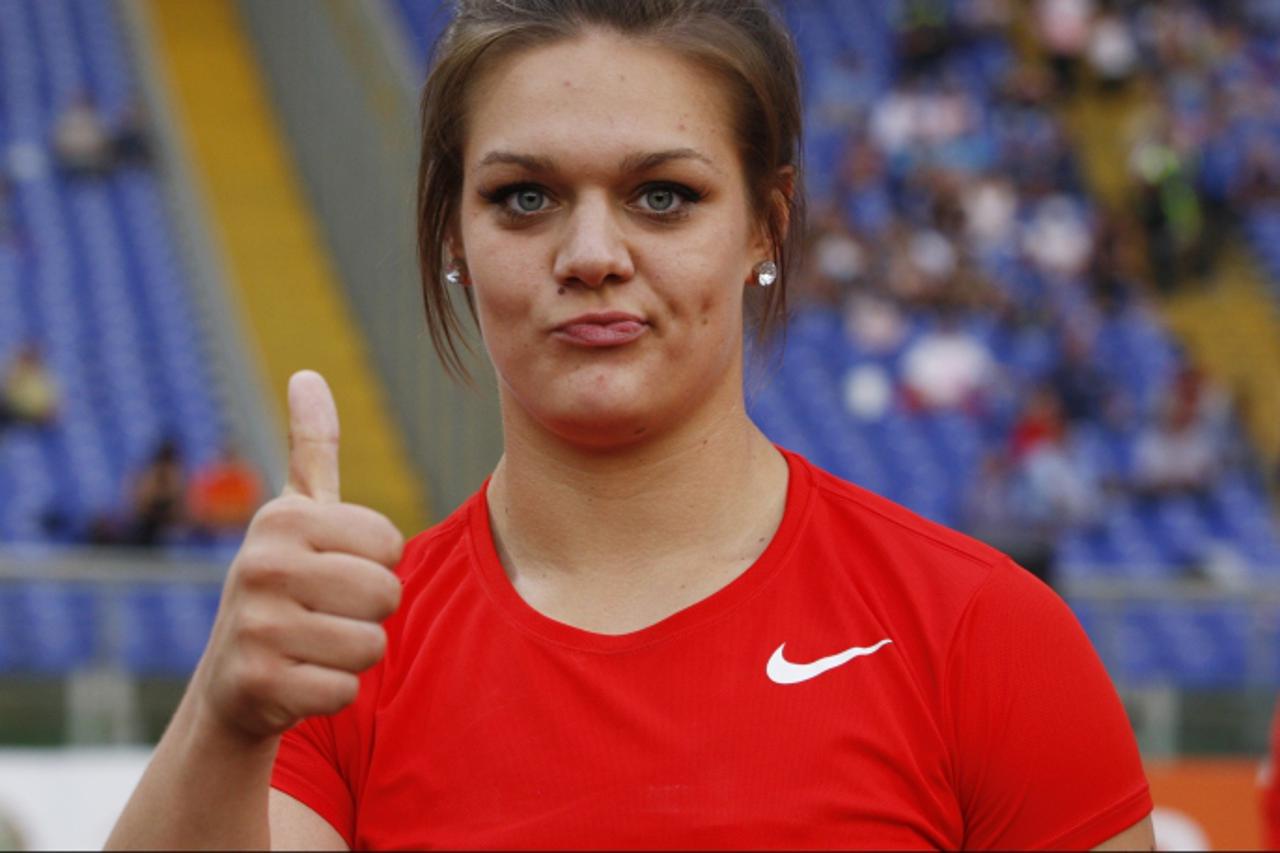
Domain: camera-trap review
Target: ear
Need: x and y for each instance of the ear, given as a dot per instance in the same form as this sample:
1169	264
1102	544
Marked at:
776	218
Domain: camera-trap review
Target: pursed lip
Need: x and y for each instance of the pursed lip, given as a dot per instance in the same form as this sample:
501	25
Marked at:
601	329
601	318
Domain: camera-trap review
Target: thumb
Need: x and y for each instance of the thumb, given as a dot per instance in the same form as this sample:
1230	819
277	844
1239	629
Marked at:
313	438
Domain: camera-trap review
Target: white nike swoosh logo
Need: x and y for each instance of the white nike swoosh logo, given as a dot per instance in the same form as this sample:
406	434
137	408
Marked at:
782	671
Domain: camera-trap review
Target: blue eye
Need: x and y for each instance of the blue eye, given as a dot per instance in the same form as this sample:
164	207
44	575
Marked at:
528	199
660	199
667	200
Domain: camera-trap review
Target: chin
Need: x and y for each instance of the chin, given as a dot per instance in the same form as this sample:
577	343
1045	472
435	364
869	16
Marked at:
600	426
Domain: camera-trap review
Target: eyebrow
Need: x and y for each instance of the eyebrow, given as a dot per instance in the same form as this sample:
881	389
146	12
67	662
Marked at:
639	162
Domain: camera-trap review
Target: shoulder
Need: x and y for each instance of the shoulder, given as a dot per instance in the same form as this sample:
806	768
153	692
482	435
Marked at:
939	593
883	540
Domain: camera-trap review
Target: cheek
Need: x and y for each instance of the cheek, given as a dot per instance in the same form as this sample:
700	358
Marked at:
503	308
703	291
498	270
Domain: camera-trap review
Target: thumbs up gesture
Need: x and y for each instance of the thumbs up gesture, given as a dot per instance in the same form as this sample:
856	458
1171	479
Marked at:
304	598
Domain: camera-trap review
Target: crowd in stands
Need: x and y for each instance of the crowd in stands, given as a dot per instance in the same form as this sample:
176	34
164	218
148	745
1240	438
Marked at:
166	505
976	271
29	393
952	230
163	504
82	145
1204	144
166	500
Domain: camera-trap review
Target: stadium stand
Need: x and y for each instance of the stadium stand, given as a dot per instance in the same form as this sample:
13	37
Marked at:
876	74
90	270
92	273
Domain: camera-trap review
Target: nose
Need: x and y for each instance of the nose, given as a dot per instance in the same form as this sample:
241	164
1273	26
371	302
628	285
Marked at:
593	252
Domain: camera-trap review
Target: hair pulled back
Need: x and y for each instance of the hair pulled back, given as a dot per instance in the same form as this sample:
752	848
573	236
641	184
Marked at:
740	41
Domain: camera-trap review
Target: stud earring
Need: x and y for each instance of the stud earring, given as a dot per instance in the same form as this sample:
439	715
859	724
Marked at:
453	275
766	273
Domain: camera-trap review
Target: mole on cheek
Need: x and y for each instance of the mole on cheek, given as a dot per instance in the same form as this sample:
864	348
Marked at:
560	291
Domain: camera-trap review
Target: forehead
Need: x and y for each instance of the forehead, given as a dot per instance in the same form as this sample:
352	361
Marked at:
601	95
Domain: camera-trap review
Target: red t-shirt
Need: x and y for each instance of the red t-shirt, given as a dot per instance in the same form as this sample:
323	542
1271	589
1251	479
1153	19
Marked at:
1271	788
986	720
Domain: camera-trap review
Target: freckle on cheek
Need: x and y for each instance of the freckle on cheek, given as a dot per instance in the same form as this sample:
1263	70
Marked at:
560	291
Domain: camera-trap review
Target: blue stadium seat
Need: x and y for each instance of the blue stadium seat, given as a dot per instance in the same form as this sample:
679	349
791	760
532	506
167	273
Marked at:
97	282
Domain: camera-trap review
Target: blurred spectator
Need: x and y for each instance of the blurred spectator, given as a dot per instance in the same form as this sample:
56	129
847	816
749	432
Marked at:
868	391
874	323
1032	491
29	394
1209	403
1111	269
923	267
1039	423
946	367
81	142
224	494
1064	28
1169	209
996	511
844	91
1179	455
1081	387
923	34
1061	492
1113	50
839	258
1058	239
157	498
990	206
131	143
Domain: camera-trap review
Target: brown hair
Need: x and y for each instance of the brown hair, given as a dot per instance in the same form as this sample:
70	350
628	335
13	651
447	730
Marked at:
740	39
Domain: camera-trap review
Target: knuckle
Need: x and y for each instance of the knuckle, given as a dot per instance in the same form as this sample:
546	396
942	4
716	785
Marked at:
283	514
380	540
256	680
263	569
258	628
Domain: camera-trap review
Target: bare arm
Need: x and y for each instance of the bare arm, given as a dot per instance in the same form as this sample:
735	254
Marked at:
204	787
217	790
294	826
1140	836
297	623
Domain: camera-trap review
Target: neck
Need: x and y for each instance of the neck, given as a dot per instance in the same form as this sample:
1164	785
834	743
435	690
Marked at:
706	490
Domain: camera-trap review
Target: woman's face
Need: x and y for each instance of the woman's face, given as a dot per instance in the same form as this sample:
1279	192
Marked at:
607	232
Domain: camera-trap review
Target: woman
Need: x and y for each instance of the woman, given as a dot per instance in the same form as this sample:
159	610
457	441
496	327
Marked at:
651	627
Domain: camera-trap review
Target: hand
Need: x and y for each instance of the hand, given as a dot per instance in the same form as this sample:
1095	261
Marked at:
300	611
